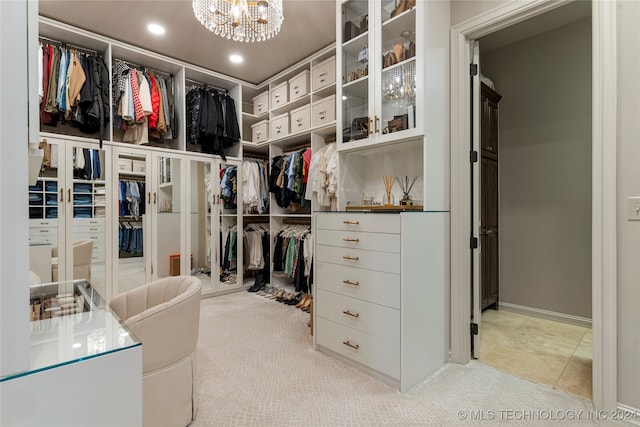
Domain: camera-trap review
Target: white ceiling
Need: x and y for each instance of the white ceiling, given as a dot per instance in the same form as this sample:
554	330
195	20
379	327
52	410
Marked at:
556	18
309	25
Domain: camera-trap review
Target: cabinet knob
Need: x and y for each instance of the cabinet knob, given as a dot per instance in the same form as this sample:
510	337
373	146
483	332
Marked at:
349	313
349	239
377	123
351	258
353	346
69	195
351	222
349	282
61	195
155	198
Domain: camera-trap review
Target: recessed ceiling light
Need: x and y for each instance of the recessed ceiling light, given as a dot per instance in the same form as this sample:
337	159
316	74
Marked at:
344	97
156	29
236	59
77	345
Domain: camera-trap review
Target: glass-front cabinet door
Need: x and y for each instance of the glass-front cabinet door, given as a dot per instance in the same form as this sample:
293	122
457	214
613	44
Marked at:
47	215
227	197
379	67
133	210
67	213
396	87
357	51
200	224
167	198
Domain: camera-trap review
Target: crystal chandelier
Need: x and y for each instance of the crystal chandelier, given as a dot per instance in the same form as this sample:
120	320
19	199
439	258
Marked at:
240	20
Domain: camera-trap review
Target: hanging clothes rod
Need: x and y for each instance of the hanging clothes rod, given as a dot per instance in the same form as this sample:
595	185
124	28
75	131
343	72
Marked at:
296	221
296	147
207	86
129	219
256	158
58	43
143	68
130	178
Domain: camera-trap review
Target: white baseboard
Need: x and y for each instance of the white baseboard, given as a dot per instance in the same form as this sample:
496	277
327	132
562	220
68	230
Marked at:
629	414
545	314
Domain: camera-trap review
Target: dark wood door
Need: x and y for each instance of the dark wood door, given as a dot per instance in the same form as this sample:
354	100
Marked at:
489	260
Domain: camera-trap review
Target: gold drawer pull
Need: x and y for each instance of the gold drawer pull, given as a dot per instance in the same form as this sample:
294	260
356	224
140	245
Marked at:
351	222
353	346
349	239
348	313
352	258
349	282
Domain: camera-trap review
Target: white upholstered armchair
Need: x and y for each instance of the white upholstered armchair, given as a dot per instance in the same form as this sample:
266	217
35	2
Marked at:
164	315
82	251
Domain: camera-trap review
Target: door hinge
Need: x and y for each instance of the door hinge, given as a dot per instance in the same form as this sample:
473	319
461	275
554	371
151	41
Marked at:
474	329
474	243
473	156
473	69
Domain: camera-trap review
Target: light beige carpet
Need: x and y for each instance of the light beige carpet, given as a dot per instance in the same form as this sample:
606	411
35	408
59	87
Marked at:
257	368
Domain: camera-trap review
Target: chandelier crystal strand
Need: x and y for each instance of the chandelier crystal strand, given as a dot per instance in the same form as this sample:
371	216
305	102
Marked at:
240	20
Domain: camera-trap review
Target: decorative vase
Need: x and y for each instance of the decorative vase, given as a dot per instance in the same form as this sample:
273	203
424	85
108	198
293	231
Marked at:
406	200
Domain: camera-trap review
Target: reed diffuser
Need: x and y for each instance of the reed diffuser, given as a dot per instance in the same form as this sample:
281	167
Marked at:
388	185
406	184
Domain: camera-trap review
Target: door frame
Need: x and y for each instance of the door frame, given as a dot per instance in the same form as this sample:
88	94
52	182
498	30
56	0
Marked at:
604	101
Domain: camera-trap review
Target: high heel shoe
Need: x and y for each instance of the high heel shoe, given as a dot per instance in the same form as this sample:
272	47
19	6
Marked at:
303	301
307	303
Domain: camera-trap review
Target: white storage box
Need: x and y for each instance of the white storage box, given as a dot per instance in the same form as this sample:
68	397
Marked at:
324	74
279	95
260	132
139	166
299	86
280	126
323	111
301	119
261	103
125	165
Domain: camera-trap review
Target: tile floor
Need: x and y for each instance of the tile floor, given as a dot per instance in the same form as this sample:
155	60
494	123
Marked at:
544	351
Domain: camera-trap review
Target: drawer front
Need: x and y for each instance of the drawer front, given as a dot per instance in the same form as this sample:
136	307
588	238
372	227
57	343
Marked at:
373	319
33	223
279	95
365	349
44	235
323	111
299	86
260	133
324	74
376	223
279	127
368	285
370	260
382	242
261	103
88	222
301	119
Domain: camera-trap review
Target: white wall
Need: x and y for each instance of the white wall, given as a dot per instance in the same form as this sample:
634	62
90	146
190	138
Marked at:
14	235
545	169
628	183
461	10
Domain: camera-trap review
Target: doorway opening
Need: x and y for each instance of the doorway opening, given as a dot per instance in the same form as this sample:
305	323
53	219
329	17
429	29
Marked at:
534	199
604	117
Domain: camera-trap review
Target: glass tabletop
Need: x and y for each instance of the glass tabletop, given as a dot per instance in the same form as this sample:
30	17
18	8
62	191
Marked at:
71	323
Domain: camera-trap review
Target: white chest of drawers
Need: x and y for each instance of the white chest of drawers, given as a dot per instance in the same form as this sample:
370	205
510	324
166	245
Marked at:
380	298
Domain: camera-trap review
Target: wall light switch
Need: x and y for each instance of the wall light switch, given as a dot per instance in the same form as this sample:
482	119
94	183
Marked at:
633	208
